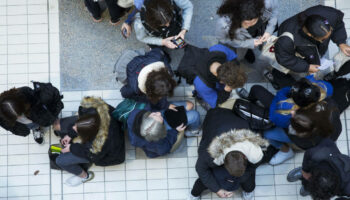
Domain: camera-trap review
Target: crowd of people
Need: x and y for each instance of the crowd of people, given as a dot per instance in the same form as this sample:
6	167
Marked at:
304	115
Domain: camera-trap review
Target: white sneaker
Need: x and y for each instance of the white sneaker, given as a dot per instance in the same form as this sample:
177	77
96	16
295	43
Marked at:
193	133
76	180
191	197
248	195
280	157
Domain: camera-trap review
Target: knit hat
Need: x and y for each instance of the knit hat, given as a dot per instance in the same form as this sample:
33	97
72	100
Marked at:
176	118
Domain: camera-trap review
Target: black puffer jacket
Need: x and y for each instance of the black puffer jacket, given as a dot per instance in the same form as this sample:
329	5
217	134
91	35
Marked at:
307	47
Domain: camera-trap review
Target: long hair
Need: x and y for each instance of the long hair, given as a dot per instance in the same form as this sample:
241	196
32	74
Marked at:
159	84
158	13
239	11
323	184
88	126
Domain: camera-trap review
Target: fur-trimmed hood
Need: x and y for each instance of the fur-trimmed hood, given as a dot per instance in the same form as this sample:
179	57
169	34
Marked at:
156	66
103	111
242	140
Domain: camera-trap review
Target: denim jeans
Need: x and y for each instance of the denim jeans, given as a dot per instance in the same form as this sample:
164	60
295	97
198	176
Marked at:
70	163
277	137
193	117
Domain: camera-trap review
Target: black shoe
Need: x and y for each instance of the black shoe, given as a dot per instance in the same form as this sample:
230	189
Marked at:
38	136
249	56
268	75
294	175
203	103
242	93
304	192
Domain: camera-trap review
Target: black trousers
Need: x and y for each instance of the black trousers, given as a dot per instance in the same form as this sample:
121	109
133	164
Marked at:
259	93
115	11
283	80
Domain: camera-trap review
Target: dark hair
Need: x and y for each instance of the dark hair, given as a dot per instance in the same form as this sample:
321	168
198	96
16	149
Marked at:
159	84
323	184
316	25
12	105
88	126
231	74
303	92
235	163
239	11
314	120
158	13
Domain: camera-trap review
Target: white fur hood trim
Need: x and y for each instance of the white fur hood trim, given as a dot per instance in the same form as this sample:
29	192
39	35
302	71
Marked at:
243	140
156	66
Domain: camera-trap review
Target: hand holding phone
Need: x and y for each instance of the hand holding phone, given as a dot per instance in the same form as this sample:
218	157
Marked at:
179	42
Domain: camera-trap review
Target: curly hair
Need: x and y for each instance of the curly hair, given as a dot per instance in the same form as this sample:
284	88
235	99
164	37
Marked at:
231	74
159	84
239	11
158	13
323	184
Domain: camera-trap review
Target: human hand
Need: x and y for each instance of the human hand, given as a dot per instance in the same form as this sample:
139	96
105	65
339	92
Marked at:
181	34
66	149
265	37
257	42
168	43
313	68
224	194
345	49
128	29
66	140
172	107
306	175
228	88
181	128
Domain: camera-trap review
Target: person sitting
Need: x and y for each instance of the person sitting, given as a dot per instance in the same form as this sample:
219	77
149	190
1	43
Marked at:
159	133
116	8
161	21
149	80
213	72
93	136
24	109
312	30
227	142
246	24
324	173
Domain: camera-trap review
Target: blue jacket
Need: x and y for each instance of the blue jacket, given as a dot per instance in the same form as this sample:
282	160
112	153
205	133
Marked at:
210	93
131	89
283	120
152	149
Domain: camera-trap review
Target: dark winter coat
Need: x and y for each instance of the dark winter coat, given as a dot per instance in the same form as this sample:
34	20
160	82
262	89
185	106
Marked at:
108	146
217	122
328	152
152	149
310	49
132	90
45	105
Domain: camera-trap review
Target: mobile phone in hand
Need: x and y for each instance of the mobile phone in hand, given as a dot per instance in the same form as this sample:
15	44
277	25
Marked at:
179	42
124	33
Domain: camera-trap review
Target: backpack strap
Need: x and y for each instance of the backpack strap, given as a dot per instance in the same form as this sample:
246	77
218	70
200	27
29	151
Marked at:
288	34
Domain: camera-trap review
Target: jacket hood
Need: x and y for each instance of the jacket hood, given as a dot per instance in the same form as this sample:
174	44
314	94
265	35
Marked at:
156	66
242	140
103	111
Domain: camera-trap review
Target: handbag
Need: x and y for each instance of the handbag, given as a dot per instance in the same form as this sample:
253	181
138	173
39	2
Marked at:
124	108
125	3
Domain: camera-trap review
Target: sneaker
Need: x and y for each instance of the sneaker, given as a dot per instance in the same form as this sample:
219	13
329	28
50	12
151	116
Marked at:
280	157
76	180
203	103
38	136
114	23
294	175
247	195
194	132
304	192
268	75
242	93
191	197
97	20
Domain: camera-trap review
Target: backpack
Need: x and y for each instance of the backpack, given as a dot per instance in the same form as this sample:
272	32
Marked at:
256	116
122	63
124	108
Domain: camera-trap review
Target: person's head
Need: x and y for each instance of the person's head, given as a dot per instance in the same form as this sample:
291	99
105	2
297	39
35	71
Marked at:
159	84
303	93
12	105
152	127
243	13
158	13
235	163
231	75
316	27
323	184
312	121
87	126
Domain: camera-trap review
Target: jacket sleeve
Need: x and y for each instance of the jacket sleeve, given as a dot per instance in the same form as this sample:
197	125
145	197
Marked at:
273	7
162	104
278	119
323	84
79	150
307	161
142	35
208	94
339	35
130	19
285	56
163	146
245	44
17	129
206	175
187	12
222	96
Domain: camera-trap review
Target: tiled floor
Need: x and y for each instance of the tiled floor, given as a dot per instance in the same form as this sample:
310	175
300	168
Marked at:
29	50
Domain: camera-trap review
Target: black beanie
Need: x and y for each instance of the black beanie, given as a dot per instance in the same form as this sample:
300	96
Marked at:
304	93
176	118
317	25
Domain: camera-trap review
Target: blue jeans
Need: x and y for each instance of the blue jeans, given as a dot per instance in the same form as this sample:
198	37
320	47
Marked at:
193	117
70	163
277	137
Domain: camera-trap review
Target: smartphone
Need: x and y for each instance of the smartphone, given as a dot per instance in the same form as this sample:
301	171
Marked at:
124	33
179	42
